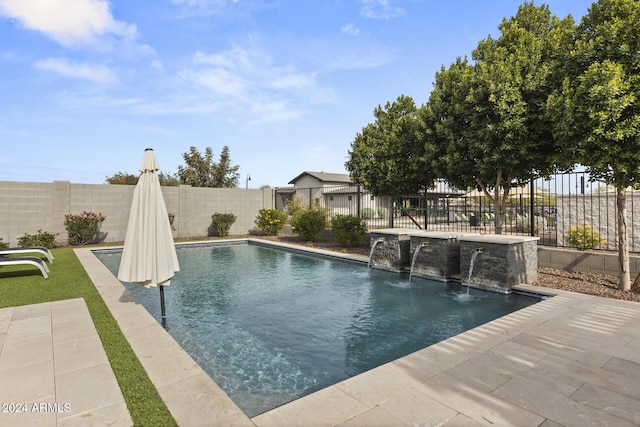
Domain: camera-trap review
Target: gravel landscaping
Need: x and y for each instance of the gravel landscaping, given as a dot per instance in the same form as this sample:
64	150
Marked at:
587	283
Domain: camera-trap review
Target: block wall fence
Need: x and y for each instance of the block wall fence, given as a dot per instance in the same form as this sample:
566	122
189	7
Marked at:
26	207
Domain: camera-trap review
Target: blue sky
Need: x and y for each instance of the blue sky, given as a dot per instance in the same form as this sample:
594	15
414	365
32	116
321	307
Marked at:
87	85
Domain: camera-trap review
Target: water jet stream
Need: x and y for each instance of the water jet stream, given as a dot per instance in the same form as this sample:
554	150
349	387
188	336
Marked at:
373	248
415	256
474	255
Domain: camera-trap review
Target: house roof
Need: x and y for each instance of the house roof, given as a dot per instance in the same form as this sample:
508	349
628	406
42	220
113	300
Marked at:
324	177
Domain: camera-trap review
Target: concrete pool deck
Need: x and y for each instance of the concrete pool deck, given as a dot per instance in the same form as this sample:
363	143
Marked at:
54	370
570	360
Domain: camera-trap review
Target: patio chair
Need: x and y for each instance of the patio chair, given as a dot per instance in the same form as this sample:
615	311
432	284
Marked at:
32	260
30	249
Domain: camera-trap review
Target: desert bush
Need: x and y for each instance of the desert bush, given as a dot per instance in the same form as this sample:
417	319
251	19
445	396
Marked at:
3	244
309	223
221	223
584	236
348	230
41	238
84	227
271	221
294	205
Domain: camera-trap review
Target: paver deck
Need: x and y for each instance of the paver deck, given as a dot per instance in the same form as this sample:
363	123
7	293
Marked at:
572	360
54	370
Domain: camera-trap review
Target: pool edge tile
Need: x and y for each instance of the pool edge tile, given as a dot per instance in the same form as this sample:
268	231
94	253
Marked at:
121	310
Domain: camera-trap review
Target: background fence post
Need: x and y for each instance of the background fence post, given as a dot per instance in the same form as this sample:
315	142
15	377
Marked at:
532	219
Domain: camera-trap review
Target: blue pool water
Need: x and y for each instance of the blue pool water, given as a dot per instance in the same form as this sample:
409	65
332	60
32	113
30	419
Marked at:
270	326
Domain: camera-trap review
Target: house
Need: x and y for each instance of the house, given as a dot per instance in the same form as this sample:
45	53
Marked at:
339	195
320	179
334	192
310	187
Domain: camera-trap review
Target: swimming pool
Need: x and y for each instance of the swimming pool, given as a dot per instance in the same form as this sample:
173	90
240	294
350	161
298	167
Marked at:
270	325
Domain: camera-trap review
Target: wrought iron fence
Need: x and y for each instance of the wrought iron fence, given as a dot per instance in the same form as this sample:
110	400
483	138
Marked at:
566	210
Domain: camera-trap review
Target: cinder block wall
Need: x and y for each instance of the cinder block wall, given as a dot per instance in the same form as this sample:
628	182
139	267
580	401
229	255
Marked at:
26	207
589	261
599	211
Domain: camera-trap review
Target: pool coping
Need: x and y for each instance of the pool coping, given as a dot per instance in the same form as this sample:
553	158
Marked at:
434	385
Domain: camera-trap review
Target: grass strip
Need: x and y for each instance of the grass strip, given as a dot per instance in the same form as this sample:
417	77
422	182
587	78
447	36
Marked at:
24	285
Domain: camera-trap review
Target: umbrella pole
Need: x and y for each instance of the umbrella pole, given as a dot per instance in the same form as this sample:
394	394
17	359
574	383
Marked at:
164	314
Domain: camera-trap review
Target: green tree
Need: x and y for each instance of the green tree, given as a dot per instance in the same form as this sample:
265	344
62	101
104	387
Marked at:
202	171
125	178
485	124
597	111
122	178
168	179
387	157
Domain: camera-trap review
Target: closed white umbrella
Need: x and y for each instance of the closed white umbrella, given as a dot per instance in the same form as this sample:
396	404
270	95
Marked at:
149	254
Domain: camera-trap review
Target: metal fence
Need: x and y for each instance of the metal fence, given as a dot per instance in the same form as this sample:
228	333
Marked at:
566	210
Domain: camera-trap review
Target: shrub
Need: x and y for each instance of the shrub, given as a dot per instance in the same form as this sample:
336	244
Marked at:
221	223
348	230
83	228
294	205
271	221
172	219
3	244
42	238
382	212
309	223
367	213
584	236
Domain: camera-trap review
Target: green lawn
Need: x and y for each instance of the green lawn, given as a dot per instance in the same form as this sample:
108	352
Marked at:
22	285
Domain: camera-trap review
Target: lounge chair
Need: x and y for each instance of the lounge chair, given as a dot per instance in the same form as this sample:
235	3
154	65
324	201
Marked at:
32	260
31	249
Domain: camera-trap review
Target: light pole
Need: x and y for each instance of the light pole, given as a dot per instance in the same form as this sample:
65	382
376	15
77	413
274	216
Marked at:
247	181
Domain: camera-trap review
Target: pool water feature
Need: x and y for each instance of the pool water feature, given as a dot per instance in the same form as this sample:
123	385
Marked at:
270	326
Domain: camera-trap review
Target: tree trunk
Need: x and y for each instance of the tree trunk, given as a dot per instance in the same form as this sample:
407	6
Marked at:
498	202
623	240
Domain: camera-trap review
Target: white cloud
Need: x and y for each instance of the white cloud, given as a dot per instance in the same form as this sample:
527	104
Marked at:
218	81
235	58
246	69
248	80
381	9
350	29
293	80
75	70
68	22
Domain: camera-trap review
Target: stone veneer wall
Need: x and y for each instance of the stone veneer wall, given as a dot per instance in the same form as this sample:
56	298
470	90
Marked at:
26	207
439	259
392	253
502	263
